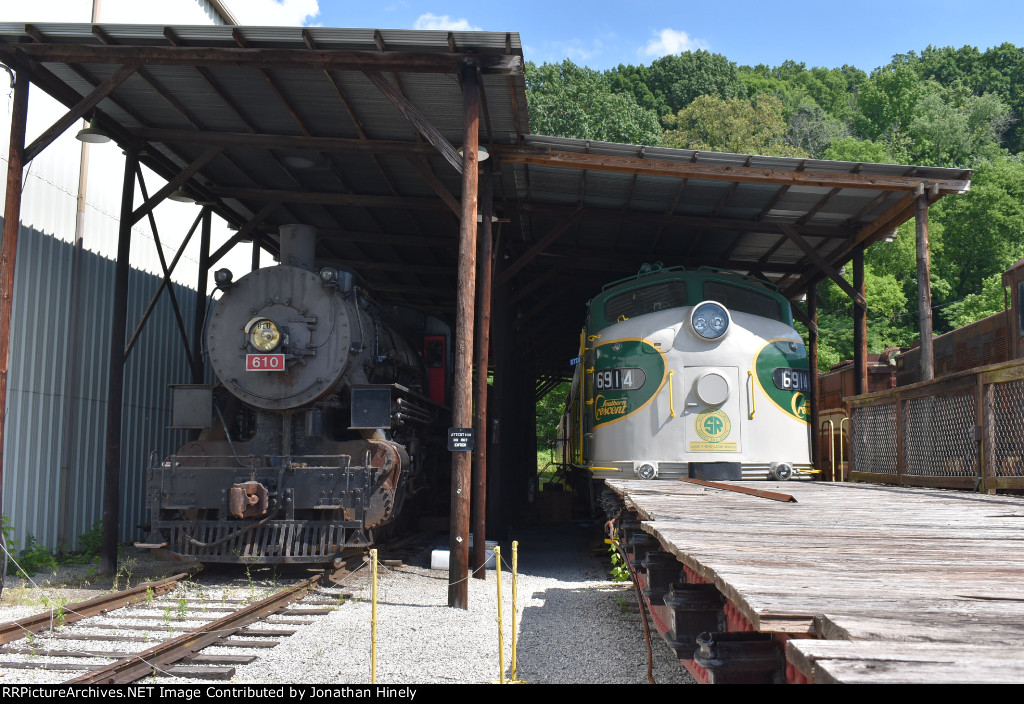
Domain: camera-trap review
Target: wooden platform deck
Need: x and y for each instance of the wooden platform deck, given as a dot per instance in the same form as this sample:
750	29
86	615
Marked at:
873	583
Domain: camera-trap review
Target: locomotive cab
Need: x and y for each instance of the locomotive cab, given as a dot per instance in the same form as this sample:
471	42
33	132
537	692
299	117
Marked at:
690	374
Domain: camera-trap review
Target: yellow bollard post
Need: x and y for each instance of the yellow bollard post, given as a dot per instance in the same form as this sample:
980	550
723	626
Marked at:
373	618
501	641
515	609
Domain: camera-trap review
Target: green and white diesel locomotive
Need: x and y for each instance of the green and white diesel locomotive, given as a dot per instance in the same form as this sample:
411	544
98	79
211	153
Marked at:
690	374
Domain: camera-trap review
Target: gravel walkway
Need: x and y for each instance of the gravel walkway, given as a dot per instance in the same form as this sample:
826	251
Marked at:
575	626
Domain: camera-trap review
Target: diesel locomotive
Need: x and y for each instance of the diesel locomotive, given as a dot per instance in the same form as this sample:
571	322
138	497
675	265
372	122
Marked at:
689	373
319	429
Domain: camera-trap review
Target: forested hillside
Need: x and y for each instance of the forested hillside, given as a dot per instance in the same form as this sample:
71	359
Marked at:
943	107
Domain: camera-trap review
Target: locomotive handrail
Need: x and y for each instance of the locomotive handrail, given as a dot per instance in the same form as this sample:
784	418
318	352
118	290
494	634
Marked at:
753	397
671	396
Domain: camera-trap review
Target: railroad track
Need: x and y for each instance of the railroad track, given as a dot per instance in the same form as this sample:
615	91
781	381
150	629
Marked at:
120	628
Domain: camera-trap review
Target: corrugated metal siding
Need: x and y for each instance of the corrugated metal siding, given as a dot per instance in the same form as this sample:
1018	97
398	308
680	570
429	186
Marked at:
40	350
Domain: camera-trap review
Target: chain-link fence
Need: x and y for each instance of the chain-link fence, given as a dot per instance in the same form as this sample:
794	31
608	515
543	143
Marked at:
962	431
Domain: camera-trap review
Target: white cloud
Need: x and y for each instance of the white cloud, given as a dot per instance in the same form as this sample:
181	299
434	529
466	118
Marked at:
274	13
672	41
432	21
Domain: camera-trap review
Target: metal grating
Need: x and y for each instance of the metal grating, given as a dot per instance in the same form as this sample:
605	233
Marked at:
938	436
1007	420
874	443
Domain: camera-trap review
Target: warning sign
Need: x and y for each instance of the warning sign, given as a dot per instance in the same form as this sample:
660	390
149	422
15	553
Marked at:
460	439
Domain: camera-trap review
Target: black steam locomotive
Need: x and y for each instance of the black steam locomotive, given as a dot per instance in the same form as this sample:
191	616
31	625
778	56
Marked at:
319	429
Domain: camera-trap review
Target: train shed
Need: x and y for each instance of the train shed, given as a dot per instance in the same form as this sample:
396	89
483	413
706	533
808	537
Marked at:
394	145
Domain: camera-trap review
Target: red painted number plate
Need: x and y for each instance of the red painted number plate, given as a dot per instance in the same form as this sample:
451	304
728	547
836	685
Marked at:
264	362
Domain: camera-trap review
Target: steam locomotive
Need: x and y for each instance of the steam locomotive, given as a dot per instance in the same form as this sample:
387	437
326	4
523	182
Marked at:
320	427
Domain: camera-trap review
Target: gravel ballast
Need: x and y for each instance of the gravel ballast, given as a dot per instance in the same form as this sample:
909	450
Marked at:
574	625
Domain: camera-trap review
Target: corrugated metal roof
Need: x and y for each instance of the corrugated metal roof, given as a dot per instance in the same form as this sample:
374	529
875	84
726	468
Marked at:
301	121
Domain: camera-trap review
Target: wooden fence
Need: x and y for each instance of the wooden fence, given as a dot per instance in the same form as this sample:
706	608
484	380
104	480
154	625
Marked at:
963	431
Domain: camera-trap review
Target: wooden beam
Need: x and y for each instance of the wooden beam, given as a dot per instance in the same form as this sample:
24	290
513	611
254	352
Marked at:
338	60
250	140
630	261
924	287
344	199
539	247
251	225
462	396
9	241
860	326
173	185
417	241
716	172
823	264
812	364
689	221
418	119
431	178
83	106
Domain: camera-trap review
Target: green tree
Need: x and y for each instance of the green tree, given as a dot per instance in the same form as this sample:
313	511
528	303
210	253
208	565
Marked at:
954	129
735	125
853	149
812	131
567	100
679	79
549	413
984	228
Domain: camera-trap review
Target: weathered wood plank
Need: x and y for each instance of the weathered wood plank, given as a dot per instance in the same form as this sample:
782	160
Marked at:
856	562
876	662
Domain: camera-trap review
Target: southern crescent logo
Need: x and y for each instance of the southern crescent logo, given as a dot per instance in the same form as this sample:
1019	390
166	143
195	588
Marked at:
801	406
609	407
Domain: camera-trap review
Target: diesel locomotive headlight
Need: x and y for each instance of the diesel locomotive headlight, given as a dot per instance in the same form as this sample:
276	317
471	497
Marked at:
647	471
264	335
710	320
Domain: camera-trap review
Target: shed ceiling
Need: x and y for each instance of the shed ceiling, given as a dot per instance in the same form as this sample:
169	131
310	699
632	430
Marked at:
339	129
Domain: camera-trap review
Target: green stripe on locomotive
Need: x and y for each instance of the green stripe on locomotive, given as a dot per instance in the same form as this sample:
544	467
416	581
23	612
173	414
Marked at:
628	373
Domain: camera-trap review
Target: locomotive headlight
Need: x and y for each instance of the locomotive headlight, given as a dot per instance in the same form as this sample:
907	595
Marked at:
710	320
328	275
264	335
223	278
647	471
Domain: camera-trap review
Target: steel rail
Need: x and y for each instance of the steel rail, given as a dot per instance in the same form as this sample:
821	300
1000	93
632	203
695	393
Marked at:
14	630
165	654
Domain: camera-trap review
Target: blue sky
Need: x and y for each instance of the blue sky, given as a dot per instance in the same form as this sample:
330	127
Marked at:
602	34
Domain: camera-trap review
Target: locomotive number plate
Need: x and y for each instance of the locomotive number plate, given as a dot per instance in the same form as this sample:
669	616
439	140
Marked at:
626	379
792	379
264	362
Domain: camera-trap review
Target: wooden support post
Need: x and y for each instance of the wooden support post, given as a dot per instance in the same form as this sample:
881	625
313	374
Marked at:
501	325
255	253
9	246
482	341
812	366
115	385
924	287
860	325
462	401
201	285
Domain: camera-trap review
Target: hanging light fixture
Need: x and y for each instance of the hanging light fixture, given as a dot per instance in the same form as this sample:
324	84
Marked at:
182	196
92	134
481	153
